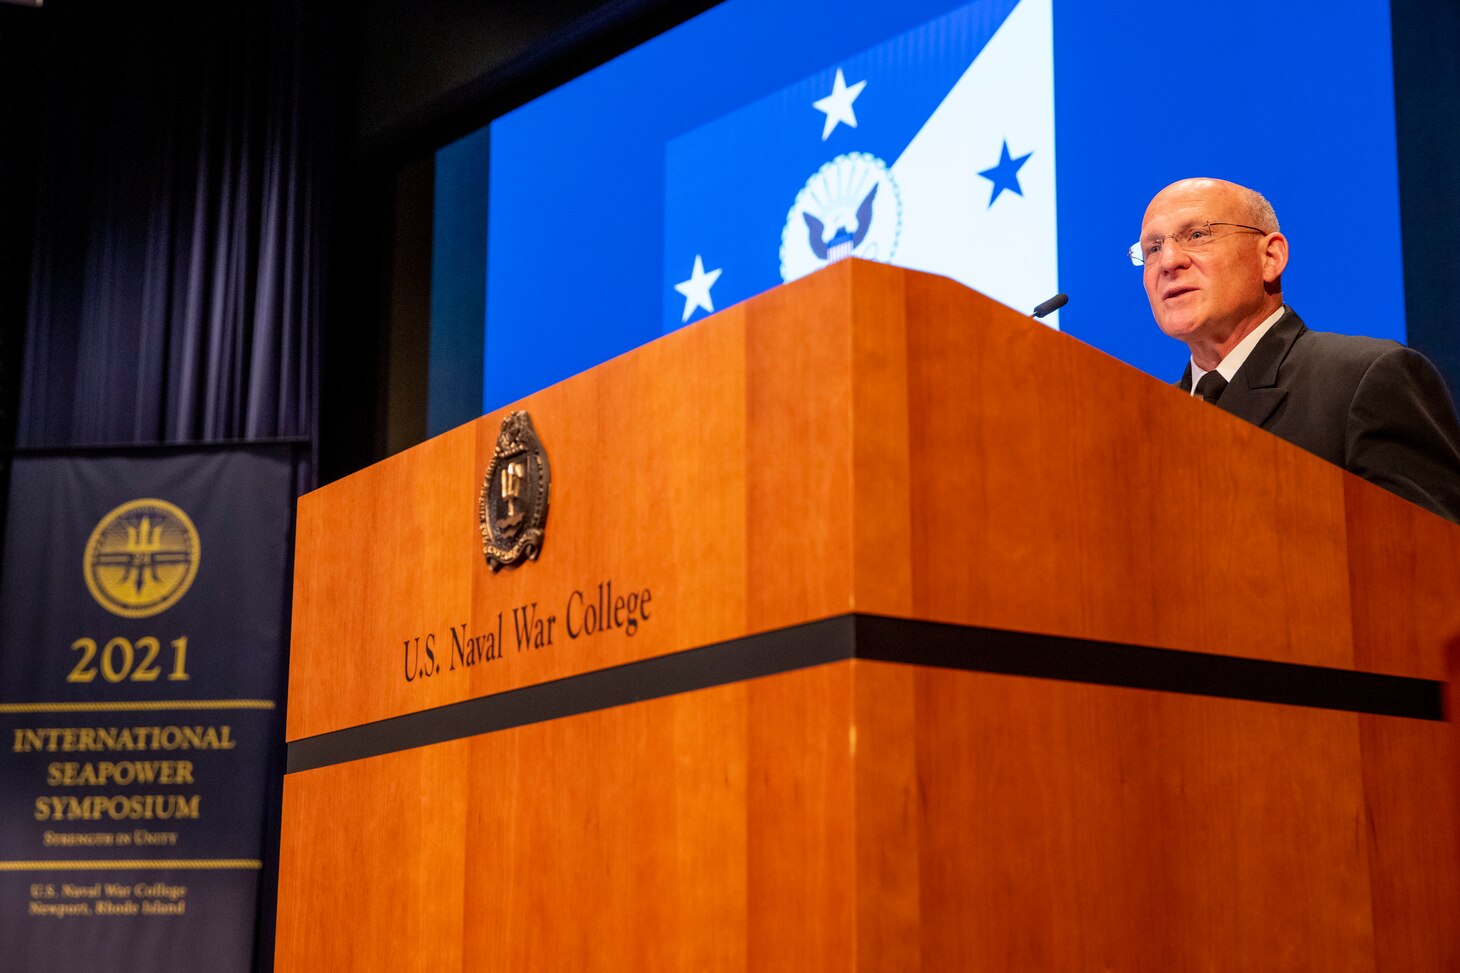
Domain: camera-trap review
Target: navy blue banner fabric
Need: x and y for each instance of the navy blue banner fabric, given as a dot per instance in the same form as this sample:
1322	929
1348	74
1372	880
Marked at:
142	632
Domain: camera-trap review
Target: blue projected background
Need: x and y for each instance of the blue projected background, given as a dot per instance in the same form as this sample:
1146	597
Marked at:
1009	144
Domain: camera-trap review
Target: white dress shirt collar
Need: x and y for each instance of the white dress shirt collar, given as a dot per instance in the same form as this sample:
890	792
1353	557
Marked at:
1228	366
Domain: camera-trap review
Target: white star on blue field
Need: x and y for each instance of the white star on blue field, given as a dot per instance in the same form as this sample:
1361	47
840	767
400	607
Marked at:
837	106
696	290
1005	175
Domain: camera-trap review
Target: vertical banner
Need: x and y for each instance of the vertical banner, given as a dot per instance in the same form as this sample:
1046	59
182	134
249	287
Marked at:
142	614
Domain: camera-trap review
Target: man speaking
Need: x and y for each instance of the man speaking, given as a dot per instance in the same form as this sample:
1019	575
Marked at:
1213	260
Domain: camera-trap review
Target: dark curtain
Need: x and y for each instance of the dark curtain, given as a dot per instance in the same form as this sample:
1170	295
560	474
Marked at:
20	65
175	292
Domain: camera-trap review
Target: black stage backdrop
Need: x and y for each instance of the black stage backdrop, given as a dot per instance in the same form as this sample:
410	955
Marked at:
180	173
175	289
142	633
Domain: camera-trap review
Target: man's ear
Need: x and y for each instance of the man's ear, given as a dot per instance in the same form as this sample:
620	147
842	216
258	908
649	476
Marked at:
1274	258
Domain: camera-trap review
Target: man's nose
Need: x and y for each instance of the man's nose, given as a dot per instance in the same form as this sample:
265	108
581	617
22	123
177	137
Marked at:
1173	255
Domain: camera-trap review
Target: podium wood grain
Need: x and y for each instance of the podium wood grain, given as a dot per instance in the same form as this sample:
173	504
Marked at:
745	827
879	441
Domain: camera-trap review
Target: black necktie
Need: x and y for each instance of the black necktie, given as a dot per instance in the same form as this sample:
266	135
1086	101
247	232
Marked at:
1211	385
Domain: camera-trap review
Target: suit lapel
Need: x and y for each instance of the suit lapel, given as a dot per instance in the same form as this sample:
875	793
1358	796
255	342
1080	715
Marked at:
1254	393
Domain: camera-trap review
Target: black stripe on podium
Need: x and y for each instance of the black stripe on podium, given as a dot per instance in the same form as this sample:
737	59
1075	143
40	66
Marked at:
885	639
1140	667
783	650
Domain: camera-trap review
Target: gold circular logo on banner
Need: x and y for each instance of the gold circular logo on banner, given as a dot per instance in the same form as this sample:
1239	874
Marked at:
141	558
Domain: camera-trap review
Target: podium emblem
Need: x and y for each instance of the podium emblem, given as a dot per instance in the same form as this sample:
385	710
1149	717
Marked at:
514	500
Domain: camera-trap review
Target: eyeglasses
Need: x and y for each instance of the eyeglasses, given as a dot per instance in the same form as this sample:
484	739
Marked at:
1192	238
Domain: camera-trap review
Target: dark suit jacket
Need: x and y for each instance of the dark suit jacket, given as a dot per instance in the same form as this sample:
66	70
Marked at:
1374	407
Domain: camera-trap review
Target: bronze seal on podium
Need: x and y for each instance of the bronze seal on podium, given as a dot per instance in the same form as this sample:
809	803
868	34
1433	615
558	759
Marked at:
514	501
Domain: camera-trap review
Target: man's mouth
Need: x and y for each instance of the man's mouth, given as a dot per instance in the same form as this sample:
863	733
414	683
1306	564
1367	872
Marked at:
1177	291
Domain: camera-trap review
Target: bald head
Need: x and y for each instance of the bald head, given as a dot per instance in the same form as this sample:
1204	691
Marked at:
1253	206
1213	289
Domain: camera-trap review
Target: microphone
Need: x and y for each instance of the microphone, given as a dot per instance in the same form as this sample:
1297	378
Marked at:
1053	304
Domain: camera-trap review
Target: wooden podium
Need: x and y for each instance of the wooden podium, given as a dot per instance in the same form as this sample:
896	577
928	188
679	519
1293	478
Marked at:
964	647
